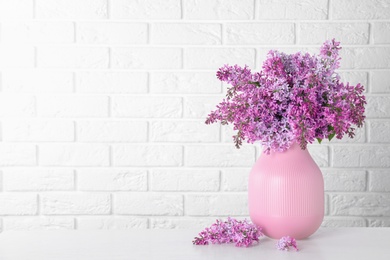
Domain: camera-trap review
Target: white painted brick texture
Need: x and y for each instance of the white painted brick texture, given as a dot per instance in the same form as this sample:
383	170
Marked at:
103	103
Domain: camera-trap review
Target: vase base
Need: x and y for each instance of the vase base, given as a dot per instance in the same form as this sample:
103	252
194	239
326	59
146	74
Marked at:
297	227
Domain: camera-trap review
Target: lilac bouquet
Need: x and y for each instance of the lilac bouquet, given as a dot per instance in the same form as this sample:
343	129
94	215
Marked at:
294	98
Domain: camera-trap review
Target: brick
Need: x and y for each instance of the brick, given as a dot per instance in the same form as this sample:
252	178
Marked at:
379	222
15	10
370	9
37	32
346	33
217	204
38	179
335	222
71	9
360	204
235	179
180	223
17	154
378	106
219	155
194	58
73	106
320	154
111	179
112	131
327	204
147	155
292	10
218	10
35	81
184	83
111	82
199	106
381	33
380	81
112	33
69	57
146	107
38	223
354	78
184	131
253	33
146	58
365	58
18	204
147	9
184	180
38	130
111	223
186	33
75	203
379	131
15	56
343	180
379	180
148	204
13	105
361	156
74	155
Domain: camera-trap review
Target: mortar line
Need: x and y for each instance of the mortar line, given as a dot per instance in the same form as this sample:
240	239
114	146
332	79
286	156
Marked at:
108	9
149	34
255	7
370	34
75	180
74	32
181	9
297	27
34	11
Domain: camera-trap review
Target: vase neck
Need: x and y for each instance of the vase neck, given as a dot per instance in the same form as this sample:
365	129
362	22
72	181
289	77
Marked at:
293	151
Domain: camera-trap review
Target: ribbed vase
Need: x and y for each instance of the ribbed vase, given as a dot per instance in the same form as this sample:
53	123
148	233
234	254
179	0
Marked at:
286	194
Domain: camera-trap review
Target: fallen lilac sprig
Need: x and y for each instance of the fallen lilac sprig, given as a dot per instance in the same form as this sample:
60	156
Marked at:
286	242
242	233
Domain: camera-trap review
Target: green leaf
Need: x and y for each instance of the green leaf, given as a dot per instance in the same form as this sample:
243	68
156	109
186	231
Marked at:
319	140
330	137
331	129
254	83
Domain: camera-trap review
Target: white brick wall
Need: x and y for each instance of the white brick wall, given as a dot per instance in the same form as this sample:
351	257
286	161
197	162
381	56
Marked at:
103	102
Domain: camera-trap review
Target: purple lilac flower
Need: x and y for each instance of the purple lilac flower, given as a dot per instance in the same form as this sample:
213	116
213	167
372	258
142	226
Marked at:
294	98
286	242
242	233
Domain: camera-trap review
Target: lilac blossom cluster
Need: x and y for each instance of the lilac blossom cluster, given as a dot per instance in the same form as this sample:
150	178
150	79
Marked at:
295	98
242	233
286	242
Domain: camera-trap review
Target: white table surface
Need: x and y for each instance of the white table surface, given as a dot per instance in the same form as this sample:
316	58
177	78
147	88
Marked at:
327	243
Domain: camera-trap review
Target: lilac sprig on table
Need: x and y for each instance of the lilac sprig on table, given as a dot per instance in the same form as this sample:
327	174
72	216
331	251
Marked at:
241	233
294	98
286	242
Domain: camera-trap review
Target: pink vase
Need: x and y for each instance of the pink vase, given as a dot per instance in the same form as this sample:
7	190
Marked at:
286	194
